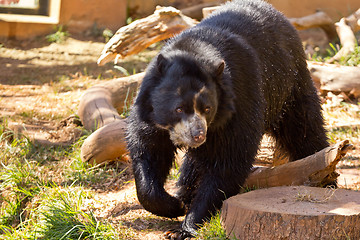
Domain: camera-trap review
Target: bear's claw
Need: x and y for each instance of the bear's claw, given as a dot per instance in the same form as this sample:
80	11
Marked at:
178	234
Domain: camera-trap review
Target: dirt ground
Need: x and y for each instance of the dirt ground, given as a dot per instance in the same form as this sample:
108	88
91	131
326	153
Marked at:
41	85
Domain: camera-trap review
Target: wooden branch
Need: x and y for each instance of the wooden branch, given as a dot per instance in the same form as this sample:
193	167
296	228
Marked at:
335	78
354	21
315	170
345	29
101	103
347	40
318	19
164	23
293	213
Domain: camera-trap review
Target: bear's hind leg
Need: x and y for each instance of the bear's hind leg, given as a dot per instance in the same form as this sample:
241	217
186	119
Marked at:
301	132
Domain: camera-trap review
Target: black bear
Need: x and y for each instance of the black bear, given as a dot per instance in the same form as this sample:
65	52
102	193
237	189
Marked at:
214	90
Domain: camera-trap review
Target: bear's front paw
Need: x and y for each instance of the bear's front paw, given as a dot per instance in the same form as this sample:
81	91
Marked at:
178	234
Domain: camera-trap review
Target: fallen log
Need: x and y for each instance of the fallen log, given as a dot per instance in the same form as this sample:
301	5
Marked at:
105	144
99	110
316	170
335	78
164	23
319	19
102	103
293	213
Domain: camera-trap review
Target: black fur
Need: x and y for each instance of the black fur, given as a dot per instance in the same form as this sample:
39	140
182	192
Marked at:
264	86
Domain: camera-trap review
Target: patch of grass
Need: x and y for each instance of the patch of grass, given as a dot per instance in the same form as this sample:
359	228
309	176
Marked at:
213	230
34	206
343	133
307	197
19	183
107	34
81	173
353	59
57	214
61	217
129	99
59	36
122	70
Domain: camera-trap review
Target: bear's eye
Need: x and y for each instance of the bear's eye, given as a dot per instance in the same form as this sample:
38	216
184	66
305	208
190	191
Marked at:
207	110
179	110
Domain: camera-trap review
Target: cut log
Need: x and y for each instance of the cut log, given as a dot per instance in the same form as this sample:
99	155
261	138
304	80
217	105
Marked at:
164	23
102	103
105	144
293	213
315	170
99	109
335	78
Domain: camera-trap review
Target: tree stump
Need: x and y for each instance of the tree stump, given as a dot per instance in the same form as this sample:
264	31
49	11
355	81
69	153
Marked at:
293	213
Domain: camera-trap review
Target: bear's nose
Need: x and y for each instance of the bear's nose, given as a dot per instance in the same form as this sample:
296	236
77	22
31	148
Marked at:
199	137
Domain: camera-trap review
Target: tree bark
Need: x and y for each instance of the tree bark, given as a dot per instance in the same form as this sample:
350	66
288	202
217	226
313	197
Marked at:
293	213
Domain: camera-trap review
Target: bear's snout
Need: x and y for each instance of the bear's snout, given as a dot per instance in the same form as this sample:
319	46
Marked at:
189	132
199	137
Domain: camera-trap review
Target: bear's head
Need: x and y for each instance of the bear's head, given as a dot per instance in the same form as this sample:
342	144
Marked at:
185	99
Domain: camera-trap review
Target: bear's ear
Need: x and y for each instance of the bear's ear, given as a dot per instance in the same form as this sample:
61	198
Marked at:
161	62
219	66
